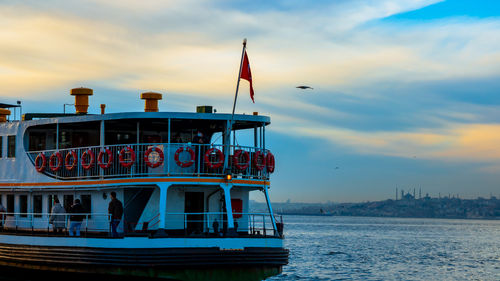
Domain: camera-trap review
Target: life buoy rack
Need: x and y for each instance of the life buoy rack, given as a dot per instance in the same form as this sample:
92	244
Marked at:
87	165
71	160
270	162
100	157
214	164
259	160
55	161
243	165
40	167
126	163
184	164
160	157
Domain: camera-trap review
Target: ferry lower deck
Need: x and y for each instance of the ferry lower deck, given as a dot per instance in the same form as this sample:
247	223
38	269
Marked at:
193	235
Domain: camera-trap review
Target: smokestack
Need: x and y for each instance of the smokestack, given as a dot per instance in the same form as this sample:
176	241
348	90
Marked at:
3	115
103	107
151	101
81	99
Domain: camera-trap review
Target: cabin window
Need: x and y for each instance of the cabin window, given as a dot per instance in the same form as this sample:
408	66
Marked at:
23	205
37	205
68	202
1	146
10	203
87	203
79	134
37	141
50	202
11	146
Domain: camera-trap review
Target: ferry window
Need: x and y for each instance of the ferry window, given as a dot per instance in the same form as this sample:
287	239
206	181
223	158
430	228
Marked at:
10	203
11	146
79	134
1	146
23	205
68	201
37	141
37	205
50	202
87	203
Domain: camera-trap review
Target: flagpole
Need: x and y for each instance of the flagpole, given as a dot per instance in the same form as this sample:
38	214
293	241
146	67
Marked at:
239	74
230	128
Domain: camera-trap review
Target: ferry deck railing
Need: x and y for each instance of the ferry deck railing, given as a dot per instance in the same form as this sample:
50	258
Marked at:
174	159
215	223
41	222
212	224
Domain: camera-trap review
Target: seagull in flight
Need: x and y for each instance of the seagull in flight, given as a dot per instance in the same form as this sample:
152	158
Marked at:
304	87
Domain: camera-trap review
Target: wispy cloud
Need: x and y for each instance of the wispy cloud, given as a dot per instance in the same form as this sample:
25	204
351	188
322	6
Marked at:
396	88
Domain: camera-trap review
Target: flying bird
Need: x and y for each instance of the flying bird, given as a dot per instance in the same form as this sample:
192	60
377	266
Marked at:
304	87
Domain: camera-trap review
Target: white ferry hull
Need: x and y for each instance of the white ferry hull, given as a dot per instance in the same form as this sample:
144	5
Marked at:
165	258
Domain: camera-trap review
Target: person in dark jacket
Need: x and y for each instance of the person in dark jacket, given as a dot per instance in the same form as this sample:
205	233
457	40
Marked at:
76	218
115	209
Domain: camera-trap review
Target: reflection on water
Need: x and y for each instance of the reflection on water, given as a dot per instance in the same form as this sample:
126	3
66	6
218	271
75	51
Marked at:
355	248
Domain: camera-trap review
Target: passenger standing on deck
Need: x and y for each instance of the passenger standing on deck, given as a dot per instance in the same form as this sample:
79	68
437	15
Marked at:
115	209
76	219
57	219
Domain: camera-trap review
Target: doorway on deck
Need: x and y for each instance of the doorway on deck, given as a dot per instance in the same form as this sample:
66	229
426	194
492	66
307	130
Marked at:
194	203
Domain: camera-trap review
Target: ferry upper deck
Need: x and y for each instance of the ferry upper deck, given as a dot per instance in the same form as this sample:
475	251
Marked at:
45	148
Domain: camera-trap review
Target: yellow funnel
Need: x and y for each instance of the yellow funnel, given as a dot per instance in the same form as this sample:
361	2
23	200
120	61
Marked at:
3	115
81	99
151	101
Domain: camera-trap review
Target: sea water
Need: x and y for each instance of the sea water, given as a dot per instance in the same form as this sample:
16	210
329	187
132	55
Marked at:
364	248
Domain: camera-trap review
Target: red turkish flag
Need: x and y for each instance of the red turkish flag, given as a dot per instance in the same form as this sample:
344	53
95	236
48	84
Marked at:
247	74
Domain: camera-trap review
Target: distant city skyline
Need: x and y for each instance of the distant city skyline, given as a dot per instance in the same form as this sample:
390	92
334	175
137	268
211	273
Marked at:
405	93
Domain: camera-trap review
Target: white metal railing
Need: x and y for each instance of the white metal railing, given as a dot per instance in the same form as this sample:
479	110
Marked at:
180	224
42	221
215	223
153	159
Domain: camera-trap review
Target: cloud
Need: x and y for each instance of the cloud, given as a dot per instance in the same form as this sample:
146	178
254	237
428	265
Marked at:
184	46
339	48
457	142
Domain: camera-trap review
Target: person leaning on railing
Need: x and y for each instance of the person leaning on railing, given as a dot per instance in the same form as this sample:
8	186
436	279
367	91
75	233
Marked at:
57	217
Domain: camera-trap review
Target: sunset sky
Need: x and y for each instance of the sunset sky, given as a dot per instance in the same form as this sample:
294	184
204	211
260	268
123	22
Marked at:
406	93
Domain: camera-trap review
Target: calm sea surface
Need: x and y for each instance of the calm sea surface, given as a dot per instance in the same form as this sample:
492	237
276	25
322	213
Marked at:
357	248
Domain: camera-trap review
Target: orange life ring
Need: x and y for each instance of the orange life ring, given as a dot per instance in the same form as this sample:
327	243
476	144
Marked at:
259	160
236	159
126	163
40	167
70	156
55	161
270	162
160	157
216	164
184	164
87	165
101	155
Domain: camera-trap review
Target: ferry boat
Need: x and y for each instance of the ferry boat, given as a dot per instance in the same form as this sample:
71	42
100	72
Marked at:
183	181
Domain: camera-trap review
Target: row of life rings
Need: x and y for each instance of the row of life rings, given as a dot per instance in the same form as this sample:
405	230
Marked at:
214	158
153	157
